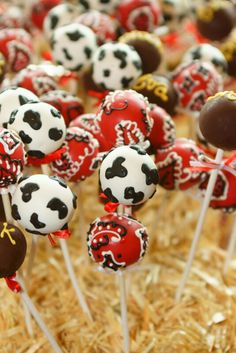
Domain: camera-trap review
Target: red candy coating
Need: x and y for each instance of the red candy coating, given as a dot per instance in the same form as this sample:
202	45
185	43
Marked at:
16	46
163	130
68	105
195	82
124	118
116	241
40	9
80	158
138	14
173	165
12	157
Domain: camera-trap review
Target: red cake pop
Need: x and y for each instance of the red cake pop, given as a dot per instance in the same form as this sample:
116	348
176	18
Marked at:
35	80
12	158
173	164
68	105
138	14
195	82
124	118
16	46
80	157
116	241
39	10
163	131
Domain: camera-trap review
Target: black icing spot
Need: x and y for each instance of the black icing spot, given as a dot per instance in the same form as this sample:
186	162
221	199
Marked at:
138	149
54	21
12	116
116	170
24	137
59	181
109	195
23	100
67	54
150	174
130	193
74	201
196	53
74	36
88	52
121	55
101	55
56	204
34	219
33	119
137	64
27	191
125	81
55	134
55	113
15	212
106	73
36	154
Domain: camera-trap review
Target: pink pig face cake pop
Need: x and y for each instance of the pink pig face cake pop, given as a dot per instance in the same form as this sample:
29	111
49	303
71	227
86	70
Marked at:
43	204
79	159
40	126
128	175
116	241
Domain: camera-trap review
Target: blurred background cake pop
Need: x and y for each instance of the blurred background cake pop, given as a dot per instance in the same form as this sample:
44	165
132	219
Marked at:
116	66
109	6
73	46
39	10
43	204
116	241
229	51
128	175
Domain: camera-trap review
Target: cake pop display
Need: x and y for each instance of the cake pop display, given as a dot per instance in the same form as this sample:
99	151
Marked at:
79	160
68	41
173	164
221	105
116	66
162	134
89	122
128	175
195	82
142	15
207	53
39	10
59	16
68	105
216	19
124	119
104	26
35	80
40	126
147	45
12	98
109	6
116	241
159	90
16	46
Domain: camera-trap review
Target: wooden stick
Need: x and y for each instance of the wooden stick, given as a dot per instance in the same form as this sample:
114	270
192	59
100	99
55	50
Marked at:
205	204
71	272
230	249
123	308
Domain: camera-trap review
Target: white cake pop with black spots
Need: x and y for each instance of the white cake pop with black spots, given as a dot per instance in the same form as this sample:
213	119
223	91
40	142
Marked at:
12	98
116	66
73	46
43	204
128	175
208	53
40	126
59	16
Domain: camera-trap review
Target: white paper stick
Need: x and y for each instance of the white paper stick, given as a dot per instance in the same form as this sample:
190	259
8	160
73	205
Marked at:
27	314
198	230
123	308
230	249
73	278
34	312
32	254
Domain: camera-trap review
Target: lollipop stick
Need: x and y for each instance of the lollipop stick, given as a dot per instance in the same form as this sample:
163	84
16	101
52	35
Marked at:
123	307
33	250
27	315
34	312
198	230
73	278
231	249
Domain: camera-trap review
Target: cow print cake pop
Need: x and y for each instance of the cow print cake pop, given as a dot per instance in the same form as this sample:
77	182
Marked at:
40	126
116	241
12	249
12	98
43	204
116	66
128	175
73	46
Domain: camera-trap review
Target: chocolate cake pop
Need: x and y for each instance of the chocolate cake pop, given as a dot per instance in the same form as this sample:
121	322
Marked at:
116	241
